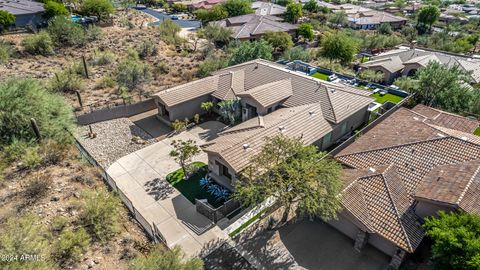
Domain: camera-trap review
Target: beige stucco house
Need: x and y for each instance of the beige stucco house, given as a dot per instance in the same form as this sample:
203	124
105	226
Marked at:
274	100
409	166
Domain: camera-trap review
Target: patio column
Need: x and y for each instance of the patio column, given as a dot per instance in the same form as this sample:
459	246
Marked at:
397	259
361	240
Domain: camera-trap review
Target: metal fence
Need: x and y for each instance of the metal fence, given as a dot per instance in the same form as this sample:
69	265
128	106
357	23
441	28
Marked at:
150	229
215	214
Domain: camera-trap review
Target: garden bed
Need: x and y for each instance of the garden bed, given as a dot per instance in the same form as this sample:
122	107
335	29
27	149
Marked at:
387	97
191	187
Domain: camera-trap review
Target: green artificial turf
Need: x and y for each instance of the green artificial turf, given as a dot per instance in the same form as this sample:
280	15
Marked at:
387	97
477	131
190	188
320	76
246	224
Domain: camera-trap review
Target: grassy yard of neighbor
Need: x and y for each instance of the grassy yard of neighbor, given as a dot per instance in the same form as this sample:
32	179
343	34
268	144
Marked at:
477	131
387	97
190	188
320	76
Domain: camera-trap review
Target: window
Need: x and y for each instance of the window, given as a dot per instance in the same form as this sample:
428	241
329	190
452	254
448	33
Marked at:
344	128
223	170
327	138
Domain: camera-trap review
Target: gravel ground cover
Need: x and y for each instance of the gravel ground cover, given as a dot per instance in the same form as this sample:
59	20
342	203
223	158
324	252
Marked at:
113	139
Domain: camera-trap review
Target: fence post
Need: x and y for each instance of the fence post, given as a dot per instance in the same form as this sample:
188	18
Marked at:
79	99
85	66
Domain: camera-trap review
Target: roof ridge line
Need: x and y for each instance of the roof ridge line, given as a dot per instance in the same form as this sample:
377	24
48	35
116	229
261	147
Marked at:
395	208
396	146
460	198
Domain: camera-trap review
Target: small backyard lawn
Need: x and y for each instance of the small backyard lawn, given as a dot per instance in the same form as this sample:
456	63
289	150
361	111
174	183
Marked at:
321	76
387	97
477	131
191	187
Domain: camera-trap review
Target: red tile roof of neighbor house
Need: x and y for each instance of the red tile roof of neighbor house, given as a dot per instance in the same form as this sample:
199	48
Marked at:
406	157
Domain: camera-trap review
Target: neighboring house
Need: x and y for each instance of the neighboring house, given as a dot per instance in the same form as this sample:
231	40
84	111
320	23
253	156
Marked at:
27	13
207	4
273	101
254	26
366	18
407	167
265	8
406	62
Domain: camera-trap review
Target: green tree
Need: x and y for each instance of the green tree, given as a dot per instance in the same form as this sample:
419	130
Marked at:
293	174
442	86
72	244
6	19
283	2
400	4
216	13
131	72
409	33
100	8
53	9
218	35
158	258
311	6
210	64
338	19
238	7
183	152
279	40
338	46
169	30
306	31
428	15
293	12
23	99
297	53
408	84
25	235
250	51
178	7
385	29
371	75
456	238
100	213
65	32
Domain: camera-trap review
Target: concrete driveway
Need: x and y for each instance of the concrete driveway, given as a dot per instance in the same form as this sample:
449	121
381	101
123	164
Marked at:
141	177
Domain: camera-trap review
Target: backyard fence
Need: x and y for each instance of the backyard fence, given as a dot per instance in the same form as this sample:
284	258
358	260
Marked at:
150	229
114	112
216	214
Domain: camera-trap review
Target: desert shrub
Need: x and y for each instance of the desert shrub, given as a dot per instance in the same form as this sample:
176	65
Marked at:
15	150
93	32
131	72
101	213
211	64
146	48
72	244
159	258
52	152
58	223
64	32
178	125
100	8
169	30
53	8
105	82
102	58
25	235
67	81
31	159
161	68
37	188
40	43
23	99
6	51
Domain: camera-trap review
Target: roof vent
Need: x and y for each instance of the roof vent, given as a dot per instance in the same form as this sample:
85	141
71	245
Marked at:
245	146
312	113
332	90
372	170
415	118
281	128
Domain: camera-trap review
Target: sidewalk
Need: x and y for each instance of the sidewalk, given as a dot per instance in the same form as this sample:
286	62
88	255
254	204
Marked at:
141	177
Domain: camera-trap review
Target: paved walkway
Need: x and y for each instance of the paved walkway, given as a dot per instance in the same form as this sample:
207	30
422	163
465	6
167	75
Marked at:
141	176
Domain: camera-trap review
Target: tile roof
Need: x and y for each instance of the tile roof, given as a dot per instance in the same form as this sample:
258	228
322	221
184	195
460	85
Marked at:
21	7
422	60
185	92
268	94
405	157
305	122
246	26
447	120
392	64
264	8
